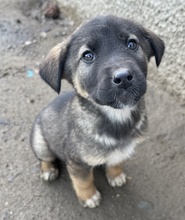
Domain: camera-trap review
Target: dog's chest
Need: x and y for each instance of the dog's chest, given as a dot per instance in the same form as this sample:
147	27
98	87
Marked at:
112	157
119	155
112	141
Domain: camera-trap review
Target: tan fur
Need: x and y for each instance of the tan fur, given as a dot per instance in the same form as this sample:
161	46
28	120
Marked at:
54	53
84	187
114	171
47	166
79	88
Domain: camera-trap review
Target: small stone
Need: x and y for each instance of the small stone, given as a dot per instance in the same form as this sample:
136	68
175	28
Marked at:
52	11
37	64
9	47
70	23
43	34
18	21
27	43
47	30
64	33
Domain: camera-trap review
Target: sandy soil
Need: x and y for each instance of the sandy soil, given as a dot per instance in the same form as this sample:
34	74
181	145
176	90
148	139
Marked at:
156	187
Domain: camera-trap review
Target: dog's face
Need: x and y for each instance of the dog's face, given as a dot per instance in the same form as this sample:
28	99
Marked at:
105	60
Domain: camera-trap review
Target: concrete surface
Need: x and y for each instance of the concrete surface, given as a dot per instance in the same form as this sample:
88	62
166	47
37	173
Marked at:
156	187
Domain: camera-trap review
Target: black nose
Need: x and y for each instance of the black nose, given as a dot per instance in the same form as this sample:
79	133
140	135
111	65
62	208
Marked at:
123	79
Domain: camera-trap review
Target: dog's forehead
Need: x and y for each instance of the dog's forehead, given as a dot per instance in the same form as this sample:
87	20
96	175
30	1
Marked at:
107	25
105	28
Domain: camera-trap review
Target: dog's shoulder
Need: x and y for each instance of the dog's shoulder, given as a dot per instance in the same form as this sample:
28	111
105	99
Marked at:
58	108
62	100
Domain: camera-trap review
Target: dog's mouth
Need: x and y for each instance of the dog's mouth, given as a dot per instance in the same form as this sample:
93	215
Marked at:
119	102
107	93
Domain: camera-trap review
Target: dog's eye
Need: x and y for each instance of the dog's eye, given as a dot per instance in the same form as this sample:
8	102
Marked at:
88	56
132	45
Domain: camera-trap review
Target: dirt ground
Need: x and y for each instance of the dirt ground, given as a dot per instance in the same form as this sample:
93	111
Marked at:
156	187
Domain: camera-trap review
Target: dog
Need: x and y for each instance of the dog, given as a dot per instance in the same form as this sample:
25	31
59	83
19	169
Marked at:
103	118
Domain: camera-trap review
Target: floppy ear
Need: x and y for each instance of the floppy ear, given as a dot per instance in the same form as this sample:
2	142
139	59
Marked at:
52	68
157	46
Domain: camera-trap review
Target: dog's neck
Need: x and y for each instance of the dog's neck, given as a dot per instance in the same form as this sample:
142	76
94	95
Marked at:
117	115
118	124
120	116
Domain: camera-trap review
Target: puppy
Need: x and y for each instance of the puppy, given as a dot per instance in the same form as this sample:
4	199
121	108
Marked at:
102	120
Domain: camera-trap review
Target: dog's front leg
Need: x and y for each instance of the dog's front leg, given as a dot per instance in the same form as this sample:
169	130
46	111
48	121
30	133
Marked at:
115	175
83	183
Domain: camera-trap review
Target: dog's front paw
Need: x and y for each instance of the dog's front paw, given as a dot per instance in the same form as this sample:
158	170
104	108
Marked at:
93	202
50	174
117	181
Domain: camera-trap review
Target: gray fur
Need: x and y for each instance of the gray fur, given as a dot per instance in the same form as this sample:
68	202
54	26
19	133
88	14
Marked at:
97	120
